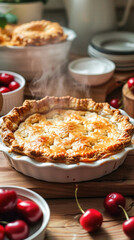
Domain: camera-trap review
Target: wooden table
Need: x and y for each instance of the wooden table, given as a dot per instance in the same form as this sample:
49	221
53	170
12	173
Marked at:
64	221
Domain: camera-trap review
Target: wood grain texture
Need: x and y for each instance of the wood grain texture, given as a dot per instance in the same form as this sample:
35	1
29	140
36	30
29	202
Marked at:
121	180
64	221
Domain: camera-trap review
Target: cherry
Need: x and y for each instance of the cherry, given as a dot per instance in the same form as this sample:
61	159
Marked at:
130	84
17	230
29	210
91	220
13	85
6	78
19	200
112	202
4	89
8	200
115	102
2	232
128	227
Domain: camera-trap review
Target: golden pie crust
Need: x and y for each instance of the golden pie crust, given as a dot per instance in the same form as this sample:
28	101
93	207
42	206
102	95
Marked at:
66	129
35	33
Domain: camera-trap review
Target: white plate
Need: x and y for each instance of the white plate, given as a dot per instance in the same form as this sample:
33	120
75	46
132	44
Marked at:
116	58
114	42
123	62
59	172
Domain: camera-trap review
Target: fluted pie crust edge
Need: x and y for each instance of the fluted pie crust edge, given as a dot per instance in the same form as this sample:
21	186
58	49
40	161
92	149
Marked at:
18	115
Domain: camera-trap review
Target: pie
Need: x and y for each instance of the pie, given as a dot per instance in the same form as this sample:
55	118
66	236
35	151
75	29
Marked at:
35	33
66	129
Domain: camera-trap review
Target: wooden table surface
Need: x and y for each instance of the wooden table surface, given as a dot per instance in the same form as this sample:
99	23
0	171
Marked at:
64	221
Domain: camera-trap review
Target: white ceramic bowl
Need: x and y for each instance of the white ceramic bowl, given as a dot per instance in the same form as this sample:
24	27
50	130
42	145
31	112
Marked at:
63	173
91	71
37	231
13	98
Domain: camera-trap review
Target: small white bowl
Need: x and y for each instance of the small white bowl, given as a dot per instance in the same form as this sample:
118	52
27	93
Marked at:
13	98
91	71
37	231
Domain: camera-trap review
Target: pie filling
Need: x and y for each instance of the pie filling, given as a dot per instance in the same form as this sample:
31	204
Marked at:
67	135
68	131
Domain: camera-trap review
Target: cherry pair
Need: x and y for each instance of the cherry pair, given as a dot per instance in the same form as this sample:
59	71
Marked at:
114	203
91	220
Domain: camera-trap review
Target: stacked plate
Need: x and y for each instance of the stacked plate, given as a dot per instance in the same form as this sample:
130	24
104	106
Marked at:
115	46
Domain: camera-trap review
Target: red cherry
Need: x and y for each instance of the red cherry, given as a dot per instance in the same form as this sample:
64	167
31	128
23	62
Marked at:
91	220
4	89
29	210
112	202
17	230
13	85
6	78
2	232
19	200
115	102
8	200
128	227
130	83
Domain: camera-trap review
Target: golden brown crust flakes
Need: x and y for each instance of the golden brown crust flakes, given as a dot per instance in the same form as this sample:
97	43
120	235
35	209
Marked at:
35	33
59	147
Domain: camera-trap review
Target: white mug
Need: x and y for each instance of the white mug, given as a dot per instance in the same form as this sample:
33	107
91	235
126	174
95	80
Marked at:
88	17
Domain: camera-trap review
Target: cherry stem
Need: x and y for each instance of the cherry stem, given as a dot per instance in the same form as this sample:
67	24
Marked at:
76	190
126	215
3	222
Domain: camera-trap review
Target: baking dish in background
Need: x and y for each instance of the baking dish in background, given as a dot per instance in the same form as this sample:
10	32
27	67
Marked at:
32	61
63	173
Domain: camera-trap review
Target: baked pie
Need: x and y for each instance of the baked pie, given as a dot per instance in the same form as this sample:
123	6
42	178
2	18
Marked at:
35	33
66	129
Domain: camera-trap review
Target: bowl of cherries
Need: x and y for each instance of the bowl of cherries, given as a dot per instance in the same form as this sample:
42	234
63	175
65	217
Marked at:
12	90
24	214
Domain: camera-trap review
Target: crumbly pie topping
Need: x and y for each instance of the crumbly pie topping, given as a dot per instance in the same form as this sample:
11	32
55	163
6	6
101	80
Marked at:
66	130
35	33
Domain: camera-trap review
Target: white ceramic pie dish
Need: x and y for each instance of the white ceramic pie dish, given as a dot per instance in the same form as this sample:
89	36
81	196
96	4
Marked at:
38	230
62	173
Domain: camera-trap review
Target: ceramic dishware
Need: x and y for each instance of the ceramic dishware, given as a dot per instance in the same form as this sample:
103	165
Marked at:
89	17
64	173
91	71
37	231
13	98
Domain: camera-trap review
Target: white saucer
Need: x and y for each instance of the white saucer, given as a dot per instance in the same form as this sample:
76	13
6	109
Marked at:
122	62
121	43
